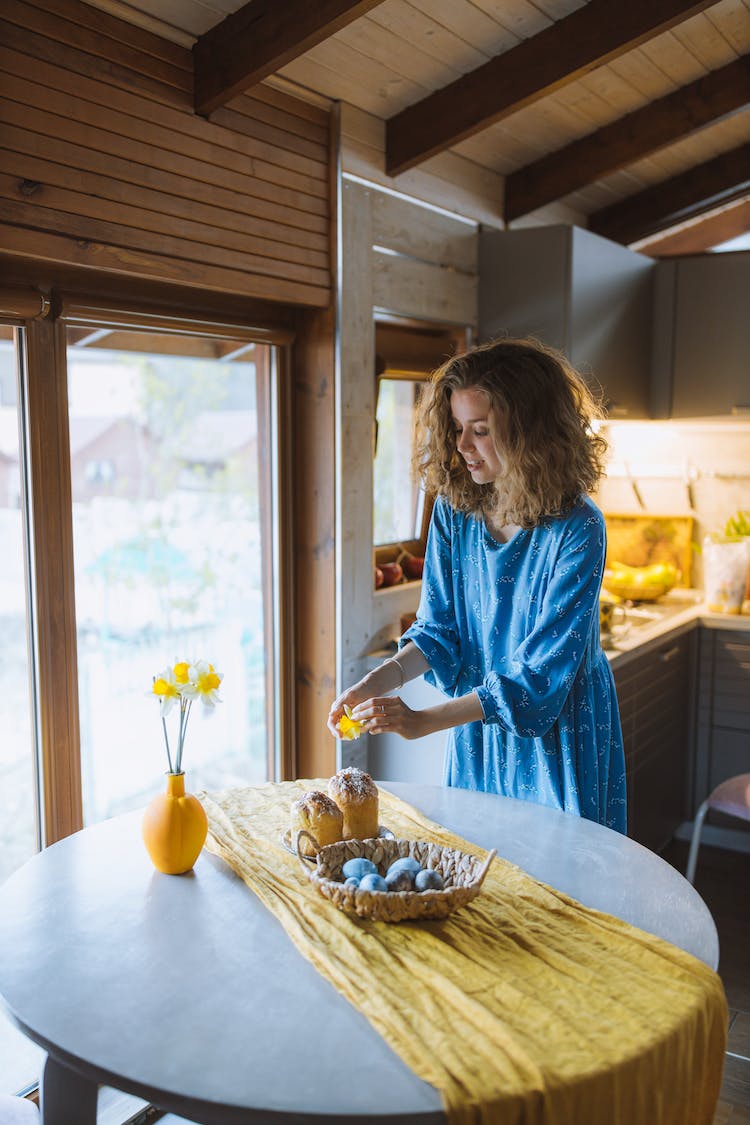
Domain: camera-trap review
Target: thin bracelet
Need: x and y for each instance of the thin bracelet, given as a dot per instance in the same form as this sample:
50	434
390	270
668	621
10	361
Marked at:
393	660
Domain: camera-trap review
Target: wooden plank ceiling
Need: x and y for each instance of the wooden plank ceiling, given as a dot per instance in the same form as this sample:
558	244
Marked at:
634	114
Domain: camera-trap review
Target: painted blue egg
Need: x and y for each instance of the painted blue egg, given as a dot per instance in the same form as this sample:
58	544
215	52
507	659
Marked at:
400	880
428	880
352	881
358	867
372	882
406	863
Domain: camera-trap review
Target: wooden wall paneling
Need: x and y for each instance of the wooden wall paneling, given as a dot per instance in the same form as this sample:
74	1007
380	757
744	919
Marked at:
87	192
309	112
421	289
82	129
23	36
100	256
355	419
100	34
314	446
54	599
254	118
157	144
141	37
96	219
177	131
423	233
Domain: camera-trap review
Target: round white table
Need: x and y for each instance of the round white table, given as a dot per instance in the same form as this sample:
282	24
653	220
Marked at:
187	992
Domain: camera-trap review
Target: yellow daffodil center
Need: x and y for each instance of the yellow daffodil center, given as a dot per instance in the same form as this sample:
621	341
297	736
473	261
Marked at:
164	689
350	728
181	672
208	681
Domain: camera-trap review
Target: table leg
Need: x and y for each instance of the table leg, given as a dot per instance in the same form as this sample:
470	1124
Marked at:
65	1097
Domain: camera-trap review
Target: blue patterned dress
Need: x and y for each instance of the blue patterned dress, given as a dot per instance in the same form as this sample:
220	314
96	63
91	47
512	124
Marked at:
518	623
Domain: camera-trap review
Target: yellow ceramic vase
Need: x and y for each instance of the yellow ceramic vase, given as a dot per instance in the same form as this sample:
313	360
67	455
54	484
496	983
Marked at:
174	828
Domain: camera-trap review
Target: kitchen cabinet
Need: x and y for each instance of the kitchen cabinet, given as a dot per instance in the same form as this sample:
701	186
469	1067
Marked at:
570	288
702	362
723	724
651	691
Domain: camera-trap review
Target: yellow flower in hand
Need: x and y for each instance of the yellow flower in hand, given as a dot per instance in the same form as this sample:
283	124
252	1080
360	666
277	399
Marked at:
349	728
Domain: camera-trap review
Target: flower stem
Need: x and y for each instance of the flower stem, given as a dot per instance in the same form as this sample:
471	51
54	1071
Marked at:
166	739
184	716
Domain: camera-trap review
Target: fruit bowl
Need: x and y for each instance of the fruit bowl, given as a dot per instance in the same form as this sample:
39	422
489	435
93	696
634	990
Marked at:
640	583
462	873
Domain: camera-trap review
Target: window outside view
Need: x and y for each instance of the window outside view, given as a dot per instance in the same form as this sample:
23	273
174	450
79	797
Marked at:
398	500
167	543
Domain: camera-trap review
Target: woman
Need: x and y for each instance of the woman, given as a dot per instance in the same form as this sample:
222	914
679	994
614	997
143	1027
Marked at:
508	622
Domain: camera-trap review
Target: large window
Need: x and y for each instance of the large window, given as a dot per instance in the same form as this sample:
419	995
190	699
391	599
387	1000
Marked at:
173	534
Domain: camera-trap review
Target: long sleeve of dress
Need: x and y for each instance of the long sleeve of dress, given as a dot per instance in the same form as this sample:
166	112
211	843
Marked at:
525	692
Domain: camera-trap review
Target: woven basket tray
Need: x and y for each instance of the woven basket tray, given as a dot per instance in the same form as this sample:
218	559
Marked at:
463	875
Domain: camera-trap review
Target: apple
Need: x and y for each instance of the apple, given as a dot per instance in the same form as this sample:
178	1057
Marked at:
413	566
392	573
379	578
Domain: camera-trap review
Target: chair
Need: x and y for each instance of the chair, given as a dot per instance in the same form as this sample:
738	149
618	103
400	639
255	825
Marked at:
731	797
17	1111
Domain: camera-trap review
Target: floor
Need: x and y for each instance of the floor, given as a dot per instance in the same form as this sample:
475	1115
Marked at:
723	881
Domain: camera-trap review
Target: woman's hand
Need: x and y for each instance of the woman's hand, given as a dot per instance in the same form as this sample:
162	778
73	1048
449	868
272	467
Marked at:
389	714
357	693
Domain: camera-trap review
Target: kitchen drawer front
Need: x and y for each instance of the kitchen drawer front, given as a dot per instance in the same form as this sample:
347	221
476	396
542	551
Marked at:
731	680
652	693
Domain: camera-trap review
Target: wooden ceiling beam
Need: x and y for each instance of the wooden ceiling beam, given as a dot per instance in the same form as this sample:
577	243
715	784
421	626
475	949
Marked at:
573	46
683	197
259	39
718	94
703	234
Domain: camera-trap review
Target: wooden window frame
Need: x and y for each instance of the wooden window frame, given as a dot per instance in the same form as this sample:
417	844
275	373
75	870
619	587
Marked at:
48	504
411	350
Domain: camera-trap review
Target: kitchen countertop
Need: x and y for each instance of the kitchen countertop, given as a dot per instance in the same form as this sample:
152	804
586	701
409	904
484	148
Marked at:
648	624
645	627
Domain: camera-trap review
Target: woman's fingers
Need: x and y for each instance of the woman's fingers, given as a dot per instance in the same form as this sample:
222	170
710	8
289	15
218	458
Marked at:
383	713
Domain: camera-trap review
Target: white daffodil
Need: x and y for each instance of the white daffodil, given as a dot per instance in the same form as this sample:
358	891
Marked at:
203	683
167	691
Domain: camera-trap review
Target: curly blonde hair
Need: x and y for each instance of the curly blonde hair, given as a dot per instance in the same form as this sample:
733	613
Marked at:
540	418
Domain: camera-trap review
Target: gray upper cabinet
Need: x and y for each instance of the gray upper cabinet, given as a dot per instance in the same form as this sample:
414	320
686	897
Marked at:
590	297
702	366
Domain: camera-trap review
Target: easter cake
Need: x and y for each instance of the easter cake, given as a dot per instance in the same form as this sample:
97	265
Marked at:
319	815
356	794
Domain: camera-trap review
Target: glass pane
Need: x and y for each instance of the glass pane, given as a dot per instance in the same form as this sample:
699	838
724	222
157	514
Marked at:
21	1059
18	804
398	500
171	542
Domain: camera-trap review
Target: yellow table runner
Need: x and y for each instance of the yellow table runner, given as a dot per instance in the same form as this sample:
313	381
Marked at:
523	1008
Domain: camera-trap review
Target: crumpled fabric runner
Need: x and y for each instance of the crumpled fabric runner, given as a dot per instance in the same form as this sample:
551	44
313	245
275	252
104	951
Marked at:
523	1008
